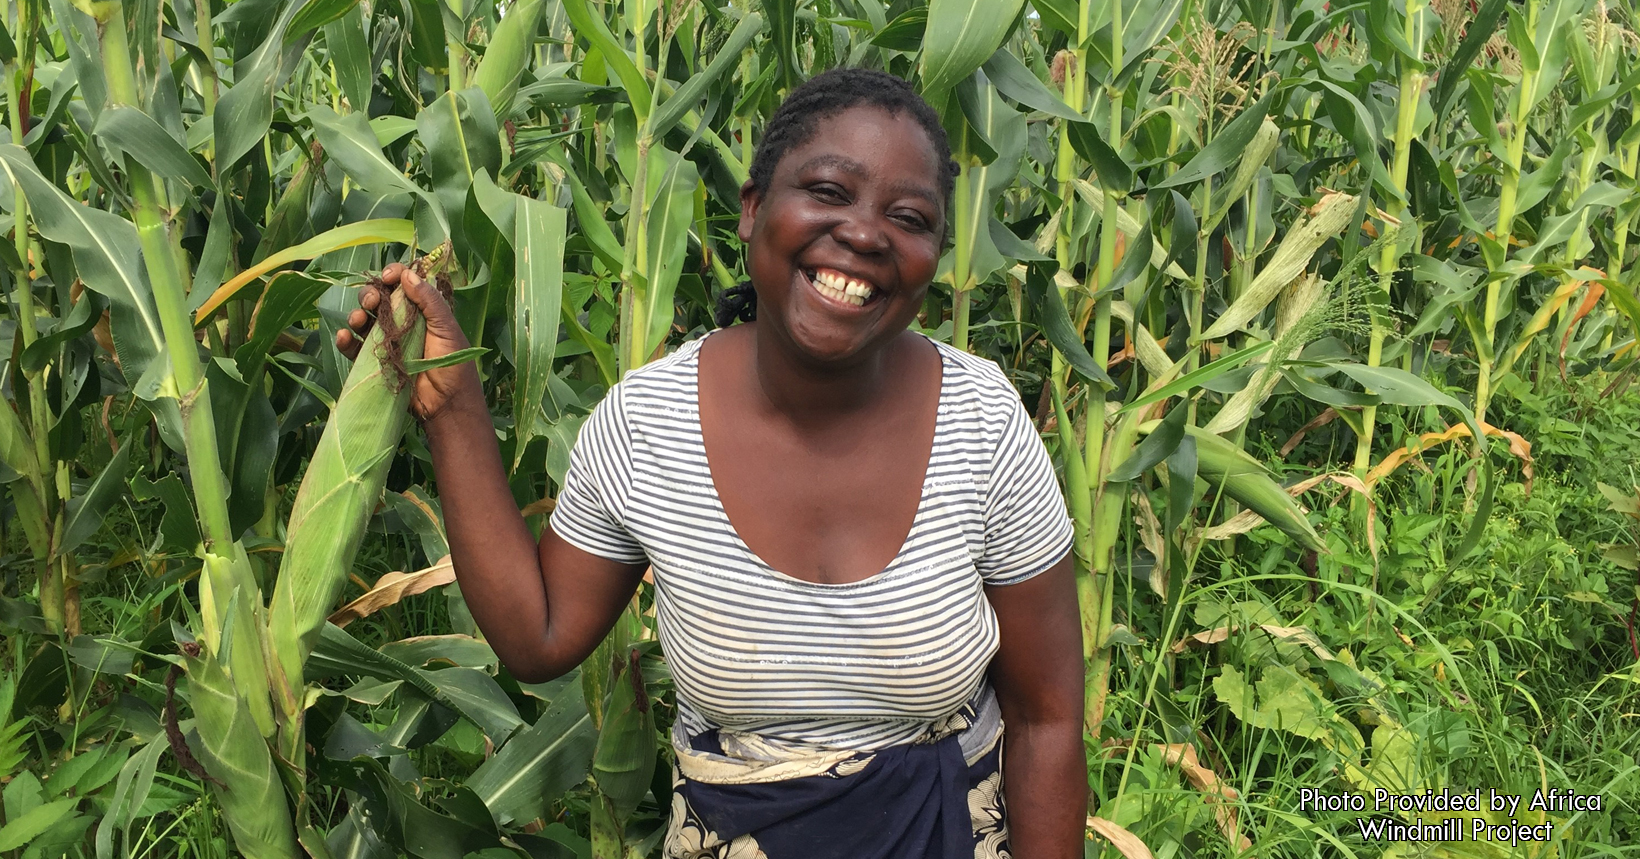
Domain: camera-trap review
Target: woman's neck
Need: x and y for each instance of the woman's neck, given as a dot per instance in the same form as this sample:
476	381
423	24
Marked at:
811	396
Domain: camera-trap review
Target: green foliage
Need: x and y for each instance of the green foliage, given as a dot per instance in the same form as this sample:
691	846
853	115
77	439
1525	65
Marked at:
1263	272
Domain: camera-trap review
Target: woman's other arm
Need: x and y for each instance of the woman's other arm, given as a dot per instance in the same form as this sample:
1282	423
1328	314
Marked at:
543	607
1038	677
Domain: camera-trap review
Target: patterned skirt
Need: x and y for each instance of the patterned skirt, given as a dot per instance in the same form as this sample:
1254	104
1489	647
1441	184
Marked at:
736	796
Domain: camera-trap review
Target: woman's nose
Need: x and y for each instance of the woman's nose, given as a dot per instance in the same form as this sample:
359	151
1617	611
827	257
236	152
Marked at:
861	233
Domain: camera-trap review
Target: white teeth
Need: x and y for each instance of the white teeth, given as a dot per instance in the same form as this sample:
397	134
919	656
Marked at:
841	288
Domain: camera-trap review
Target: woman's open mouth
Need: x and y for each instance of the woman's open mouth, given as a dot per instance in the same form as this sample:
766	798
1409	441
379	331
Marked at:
841	288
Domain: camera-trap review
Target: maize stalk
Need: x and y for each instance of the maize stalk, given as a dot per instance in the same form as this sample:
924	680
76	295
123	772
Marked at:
343	483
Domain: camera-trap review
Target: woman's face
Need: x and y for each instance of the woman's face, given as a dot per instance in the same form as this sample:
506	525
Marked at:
843	244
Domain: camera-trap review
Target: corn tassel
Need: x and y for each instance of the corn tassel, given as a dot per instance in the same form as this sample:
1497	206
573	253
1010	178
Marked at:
338	495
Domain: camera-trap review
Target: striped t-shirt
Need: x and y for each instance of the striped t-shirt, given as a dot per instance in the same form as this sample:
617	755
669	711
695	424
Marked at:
857	666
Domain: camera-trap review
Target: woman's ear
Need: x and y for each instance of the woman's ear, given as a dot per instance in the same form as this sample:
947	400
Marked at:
750	199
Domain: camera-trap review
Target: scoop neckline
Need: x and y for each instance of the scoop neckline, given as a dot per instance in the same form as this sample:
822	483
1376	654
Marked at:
917	518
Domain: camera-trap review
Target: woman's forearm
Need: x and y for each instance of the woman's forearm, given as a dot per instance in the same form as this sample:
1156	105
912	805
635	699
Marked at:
1045	786
491	548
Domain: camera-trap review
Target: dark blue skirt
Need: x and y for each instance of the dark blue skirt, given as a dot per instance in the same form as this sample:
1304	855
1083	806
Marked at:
923	800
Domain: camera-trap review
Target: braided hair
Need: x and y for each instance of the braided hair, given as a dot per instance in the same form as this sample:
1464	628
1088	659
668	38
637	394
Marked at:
794	124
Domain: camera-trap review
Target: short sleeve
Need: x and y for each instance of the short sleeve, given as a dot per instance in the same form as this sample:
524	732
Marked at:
1027	529
590	509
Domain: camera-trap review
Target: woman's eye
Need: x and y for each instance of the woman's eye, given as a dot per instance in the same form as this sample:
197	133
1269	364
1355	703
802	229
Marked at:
911	221
828	193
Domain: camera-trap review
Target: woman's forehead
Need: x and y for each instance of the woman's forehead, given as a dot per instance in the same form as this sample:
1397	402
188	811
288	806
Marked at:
869	142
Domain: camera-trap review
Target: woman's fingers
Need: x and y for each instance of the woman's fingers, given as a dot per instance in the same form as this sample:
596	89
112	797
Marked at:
348	344
440	320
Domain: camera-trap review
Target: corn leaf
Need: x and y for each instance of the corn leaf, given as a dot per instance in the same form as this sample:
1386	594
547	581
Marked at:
961	35
540	763
378	231
538	298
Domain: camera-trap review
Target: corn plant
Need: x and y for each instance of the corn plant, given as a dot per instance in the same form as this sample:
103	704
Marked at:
1186	229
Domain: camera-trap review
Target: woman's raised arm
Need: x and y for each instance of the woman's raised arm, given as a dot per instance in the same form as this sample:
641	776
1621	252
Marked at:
543	606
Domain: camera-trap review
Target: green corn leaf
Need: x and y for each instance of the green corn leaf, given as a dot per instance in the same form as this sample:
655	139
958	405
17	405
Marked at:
508	55
129	130
106	255
461	138
961	35
484	704
351	141
1400	388
85	510
1202	374
314	14
1476	35
290	296
1156	447
1056	325
540	763
688	96
672	182
1158	17
371	232
348	50
245	112
213	258
413	366
1014	80
537	301
1226	148
1114	173
589	24
85	314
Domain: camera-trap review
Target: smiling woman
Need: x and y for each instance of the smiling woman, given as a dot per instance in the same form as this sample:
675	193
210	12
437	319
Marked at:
859	549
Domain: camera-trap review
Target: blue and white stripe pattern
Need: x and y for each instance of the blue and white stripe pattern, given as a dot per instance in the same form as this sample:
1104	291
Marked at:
861	666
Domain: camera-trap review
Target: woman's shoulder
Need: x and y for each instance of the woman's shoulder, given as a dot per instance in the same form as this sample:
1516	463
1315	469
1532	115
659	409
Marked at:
670	378
976	381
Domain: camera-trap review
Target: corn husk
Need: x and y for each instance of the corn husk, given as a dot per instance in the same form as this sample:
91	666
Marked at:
339	492
1330	217
233	752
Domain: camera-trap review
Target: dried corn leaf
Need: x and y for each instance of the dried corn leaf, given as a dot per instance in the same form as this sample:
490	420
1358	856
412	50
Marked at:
1326	417
1124	841
1520	447
1300	634
394	587
1219	796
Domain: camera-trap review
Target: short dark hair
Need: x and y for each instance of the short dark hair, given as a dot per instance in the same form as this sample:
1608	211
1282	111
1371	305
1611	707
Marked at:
833	92
794	123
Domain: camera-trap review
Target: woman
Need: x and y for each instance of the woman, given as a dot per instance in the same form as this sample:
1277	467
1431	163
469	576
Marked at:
859	551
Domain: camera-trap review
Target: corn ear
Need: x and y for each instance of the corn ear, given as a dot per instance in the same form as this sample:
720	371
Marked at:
339	492
1329	218
1253	157
1295	303
249	790
1245	479
623	762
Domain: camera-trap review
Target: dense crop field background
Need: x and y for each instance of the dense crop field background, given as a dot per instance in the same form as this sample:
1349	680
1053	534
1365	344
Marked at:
1326	311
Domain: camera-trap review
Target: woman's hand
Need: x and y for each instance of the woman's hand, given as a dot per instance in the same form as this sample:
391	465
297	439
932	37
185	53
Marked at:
437	389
